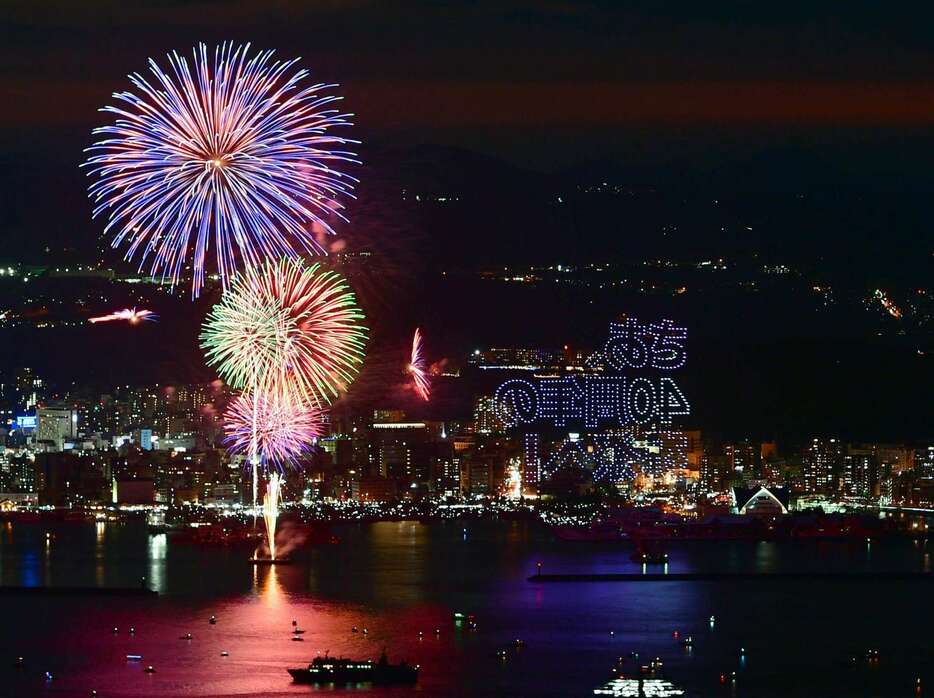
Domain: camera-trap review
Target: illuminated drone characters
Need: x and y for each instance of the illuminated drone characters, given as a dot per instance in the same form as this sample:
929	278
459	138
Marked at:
608	397
226	153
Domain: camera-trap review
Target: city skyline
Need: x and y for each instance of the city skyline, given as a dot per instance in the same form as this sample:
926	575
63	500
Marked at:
521	348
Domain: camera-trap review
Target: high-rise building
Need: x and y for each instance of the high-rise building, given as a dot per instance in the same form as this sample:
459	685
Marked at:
822	466
486	418
672	449
715	472
695	449
30	389
924	461
57	424
860	471
895	459
743	458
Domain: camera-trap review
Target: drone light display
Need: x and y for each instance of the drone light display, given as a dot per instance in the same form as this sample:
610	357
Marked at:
612	396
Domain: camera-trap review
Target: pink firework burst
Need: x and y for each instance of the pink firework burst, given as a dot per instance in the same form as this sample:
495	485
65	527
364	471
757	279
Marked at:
285	426
131	315
417	367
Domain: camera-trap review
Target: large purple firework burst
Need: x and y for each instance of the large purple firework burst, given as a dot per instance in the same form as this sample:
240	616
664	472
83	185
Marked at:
231	153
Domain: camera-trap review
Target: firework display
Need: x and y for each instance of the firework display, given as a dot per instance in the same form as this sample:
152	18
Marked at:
229	154
288	325
271	512
131	315
417	368
271	429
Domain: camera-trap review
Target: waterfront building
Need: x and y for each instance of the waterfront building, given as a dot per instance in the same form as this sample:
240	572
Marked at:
860	471
56	425
822	466
760	501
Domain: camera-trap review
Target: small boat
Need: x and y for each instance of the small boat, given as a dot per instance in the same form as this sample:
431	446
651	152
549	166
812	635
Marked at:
341	671
298	639
298	631
149	670
213	620
225	653
461	617
134	657
648	554
187	636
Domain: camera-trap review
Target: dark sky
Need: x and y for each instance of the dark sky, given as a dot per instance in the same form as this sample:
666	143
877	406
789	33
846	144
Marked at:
794	96
545	83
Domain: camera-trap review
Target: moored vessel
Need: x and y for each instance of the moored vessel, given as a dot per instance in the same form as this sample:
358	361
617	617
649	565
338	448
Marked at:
342	671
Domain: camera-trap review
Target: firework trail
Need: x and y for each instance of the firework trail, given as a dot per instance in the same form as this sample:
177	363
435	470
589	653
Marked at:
131	315
285	326
271	512
232	151
418	369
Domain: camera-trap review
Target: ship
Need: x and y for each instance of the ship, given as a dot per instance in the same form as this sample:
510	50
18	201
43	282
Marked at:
343	671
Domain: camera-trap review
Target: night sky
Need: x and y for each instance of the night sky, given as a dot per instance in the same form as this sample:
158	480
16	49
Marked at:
553	79
747	93
507	102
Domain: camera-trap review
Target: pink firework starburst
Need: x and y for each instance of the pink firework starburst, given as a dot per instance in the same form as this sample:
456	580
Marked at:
284	427
418	369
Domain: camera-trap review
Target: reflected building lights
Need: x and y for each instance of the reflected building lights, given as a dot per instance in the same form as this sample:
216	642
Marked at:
156	554
99	537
